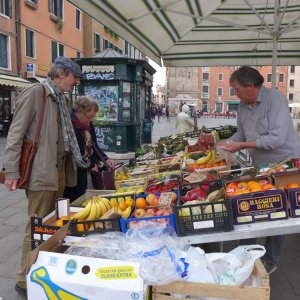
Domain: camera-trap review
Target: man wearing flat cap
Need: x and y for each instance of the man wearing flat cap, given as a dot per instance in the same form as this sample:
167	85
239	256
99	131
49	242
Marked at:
58	152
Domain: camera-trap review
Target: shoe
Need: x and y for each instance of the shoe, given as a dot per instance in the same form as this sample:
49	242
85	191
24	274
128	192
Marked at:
21	291
270	268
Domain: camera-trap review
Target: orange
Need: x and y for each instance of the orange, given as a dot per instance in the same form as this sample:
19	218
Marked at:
242	185
140	203
268	186
293	185
241	192
80	227
60	221
256	188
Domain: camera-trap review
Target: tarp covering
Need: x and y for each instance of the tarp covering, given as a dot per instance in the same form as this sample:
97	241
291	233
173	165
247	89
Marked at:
205	32
14	81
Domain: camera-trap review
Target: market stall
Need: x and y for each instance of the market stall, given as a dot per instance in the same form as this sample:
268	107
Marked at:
188	186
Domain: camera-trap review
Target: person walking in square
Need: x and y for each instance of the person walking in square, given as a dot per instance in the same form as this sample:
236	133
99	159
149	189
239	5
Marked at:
265	129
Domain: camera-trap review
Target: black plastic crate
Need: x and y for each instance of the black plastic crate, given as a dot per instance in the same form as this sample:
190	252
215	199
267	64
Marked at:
207	186
80	228
202	217
198	221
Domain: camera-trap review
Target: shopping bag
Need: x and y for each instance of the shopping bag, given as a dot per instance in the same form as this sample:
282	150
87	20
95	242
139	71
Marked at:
235	267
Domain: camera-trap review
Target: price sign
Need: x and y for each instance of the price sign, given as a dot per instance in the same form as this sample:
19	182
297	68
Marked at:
165	198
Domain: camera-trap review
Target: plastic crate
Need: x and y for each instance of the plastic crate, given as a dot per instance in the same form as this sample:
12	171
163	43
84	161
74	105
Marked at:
197	221
210	186
94	226
168	220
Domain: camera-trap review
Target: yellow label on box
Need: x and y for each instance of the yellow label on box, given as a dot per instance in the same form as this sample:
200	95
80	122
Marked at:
116	273
277	215
244	219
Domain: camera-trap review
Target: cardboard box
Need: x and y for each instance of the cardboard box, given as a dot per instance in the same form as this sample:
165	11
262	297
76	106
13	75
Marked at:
293	194
180	289
55	275
269	205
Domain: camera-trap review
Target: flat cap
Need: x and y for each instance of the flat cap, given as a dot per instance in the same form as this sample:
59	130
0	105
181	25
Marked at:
67	63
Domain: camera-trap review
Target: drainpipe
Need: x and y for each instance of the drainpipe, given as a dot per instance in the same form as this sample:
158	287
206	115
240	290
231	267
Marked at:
18	36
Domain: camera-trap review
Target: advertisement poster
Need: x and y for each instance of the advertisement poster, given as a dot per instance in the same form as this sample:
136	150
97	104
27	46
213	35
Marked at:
107	98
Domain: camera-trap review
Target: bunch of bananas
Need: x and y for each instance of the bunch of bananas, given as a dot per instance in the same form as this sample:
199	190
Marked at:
208	158
94	209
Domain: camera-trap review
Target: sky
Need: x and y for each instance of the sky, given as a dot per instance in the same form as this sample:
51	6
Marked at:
159	77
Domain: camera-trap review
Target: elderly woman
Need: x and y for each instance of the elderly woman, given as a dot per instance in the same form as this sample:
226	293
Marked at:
184	123
84	112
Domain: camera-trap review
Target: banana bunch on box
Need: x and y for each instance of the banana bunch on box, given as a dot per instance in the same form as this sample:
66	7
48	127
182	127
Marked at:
94	209
210	157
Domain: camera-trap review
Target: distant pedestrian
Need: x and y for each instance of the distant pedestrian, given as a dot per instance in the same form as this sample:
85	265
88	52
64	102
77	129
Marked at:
168	113
158	113
163	111
184	123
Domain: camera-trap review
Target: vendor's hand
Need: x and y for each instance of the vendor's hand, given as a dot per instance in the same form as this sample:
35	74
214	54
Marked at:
233	146
11	185
110	163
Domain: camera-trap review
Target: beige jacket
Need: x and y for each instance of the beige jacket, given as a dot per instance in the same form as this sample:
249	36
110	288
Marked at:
184	123
44	175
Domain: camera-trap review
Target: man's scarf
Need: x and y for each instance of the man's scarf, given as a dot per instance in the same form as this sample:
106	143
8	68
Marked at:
70	140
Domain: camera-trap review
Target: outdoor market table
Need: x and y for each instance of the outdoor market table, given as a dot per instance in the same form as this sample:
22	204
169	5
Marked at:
246	231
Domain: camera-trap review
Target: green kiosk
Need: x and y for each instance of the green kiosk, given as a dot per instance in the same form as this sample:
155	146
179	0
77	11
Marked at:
123	88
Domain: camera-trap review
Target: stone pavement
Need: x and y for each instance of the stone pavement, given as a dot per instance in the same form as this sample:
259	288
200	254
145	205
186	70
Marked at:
285	282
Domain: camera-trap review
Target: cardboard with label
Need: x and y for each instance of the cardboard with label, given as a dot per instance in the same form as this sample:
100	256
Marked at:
55	275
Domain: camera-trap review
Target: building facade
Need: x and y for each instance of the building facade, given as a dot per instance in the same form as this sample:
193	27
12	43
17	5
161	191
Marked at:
208	88
34	32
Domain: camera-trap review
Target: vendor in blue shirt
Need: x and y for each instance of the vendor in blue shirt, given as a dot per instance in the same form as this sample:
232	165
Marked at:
265	129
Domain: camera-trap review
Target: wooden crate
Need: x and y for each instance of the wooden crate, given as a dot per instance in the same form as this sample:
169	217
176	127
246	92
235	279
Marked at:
166	292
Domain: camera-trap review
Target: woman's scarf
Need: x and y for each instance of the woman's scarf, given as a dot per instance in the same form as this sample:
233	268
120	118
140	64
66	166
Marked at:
85	129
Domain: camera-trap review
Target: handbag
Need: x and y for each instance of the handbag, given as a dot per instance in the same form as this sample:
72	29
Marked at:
103	179
29	150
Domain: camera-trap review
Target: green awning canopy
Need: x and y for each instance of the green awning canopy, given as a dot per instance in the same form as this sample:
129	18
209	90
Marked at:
233	102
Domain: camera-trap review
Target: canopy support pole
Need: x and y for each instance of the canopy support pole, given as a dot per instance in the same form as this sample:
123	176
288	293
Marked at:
275	43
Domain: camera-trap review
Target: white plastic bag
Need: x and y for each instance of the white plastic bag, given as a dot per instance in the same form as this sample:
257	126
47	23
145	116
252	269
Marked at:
235	267
197	270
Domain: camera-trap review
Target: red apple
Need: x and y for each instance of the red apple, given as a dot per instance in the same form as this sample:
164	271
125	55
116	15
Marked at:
155	201
150	212
139	213
173	197
159	213
166	213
